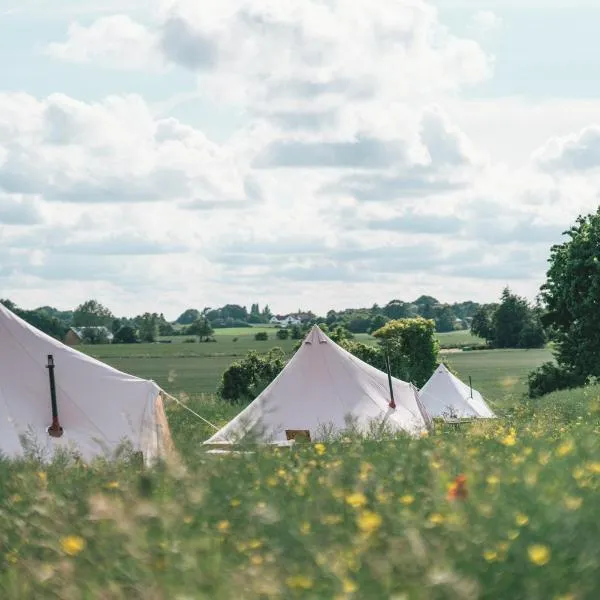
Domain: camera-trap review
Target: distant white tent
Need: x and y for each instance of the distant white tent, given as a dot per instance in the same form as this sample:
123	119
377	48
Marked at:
322	389
98	407
446	396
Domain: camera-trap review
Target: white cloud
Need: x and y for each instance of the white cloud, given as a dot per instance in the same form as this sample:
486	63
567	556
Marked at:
116	41
578	152
110	151
359	162
485	22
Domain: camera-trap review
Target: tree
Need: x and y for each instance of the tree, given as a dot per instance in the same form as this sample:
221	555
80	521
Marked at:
188	316
444	319
481	325
245	379
126	335
283	334
39	319
148	327
396	309
412	347
92	314
571	298
201	327
261	336
94	335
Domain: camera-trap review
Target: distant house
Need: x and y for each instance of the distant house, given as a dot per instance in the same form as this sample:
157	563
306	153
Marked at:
76	335
285	320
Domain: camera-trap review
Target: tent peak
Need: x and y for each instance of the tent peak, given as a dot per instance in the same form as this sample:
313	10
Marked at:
316	336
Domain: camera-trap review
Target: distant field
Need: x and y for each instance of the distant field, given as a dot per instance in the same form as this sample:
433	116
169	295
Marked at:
196	368
498	374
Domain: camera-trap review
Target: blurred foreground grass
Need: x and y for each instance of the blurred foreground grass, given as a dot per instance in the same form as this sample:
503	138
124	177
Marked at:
350	518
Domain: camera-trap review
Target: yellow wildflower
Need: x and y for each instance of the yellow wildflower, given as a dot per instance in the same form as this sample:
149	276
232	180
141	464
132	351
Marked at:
72	544
510	439
565	448
407	499
271	481
356	500
490	555
521	519
349	586
593	467
42	476
578	473
369	521
112	485
223	526
305	528
331	519
539	554
436	519
493	480
256	559
299	582
573	503
544	458
320	449
187	519
235	502
513	534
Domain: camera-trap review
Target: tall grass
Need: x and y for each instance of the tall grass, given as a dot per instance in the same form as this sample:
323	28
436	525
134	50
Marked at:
353	518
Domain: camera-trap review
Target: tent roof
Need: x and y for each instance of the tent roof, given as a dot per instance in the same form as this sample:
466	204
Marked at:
444	395
324	387
99	407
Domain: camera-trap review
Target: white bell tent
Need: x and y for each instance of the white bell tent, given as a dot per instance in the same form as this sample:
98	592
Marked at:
92	411
445	396
324	389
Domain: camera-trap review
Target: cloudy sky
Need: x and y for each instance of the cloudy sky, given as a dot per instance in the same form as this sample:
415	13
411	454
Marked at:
307	153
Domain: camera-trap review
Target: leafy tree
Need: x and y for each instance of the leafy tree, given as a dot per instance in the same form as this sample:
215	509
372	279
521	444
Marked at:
261	336
244	379
283	333
412	347
481	325
200	327
39	319
396	309
444	319
92	314
166	329
148	327
571	294
126	335
188	316
297	333
94	335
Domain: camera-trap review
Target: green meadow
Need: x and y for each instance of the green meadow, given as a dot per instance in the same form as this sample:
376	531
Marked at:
505	509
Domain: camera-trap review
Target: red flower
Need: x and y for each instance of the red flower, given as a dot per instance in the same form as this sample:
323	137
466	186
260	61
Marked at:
458	489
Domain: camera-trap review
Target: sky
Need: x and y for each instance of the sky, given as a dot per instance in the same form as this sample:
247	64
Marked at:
309	154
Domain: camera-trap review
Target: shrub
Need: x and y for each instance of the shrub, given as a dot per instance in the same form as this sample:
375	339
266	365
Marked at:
551	377
282	334
244	379
261	336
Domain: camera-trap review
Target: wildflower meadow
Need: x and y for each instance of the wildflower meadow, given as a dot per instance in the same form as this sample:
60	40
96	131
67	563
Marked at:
494	510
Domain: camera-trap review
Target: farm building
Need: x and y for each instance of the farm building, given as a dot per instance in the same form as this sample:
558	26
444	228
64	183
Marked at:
77	335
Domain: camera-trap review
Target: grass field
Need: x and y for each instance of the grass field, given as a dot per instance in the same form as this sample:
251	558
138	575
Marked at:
196	369
502	510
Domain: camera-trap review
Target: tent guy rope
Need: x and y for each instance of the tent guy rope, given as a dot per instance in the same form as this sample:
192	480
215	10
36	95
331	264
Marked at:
167	395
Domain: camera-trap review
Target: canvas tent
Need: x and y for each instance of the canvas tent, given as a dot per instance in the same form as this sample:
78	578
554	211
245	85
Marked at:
445	396
98	407
324	387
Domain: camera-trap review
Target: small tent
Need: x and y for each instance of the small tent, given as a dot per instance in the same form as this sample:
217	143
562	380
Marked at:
98	407
445	396
324	388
